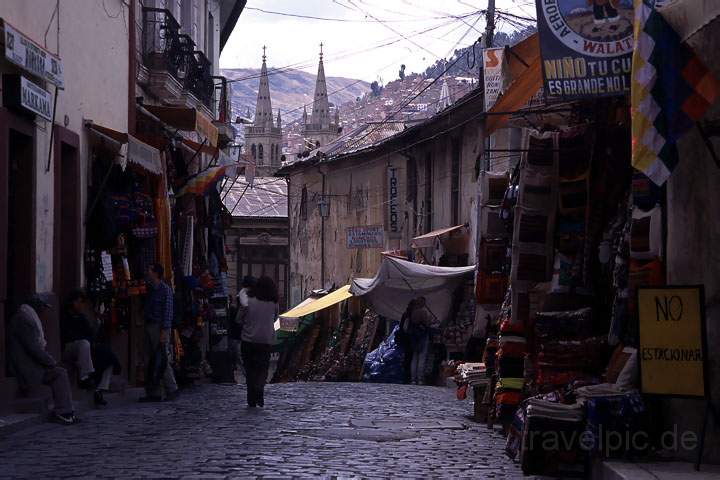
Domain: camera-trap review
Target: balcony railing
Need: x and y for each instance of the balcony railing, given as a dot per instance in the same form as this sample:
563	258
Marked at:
199	79
164	47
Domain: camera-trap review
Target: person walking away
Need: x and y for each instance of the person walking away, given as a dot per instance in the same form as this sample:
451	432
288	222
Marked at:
258	336
419	333
158	327
235	332
30	362
80	347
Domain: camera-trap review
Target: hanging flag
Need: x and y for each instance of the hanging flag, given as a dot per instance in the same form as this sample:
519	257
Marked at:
200	183
671	89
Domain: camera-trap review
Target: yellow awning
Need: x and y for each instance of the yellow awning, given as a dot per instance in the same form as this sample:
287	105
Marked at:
342	293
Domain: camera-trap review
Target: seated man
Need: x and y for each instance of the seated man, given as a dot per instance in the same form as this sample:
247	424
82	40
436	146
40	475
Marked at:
80	349
32	364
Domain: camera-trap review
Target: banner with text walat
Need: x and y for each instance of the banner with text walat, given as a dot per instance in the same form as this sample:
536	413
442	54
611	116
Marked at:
586	47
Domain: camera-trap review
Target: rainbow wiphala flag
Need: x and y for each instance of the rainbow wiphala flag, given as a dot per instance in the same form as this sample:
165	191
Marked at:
671	89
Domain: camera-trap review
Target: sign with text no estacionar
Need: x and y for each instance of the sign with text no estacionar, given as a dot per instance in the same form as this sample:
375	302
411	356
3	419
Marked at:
673	345
586	47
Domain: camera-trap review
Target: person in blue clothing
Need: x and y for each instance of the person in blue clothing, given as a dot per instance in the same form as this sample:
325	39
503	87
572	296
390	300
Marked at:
158	328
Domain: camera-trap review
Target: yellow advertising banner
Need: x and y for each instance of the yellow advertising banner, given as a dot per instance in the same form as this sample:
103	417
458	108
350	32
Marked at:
672	340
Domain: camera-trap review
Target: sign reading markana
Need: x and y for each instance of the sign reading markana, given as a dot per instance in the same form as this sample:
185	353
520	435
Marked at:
24	96
35	99
672	341
366	237
27	54
586	47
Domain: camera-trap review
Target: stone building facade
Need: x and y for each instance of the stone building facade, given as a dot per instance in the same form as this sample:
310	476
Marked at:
403	181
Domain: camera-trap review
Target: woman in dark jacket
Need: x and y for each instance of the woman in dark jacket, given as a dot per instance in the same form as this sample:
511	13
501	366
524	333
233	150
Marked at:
257	320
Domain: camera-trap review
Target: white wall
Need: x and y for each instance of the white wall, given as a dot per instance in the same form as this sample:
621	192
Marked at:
93	46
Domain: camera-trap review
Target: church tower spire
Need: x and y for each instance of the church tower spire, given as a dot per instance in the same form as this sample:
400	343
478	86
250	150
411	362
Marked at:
321	128
263	108
321	107
264	140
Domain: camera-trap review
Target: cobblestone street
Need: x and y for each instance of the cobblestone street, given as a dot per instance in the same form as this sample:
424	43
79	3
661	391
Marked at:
306	430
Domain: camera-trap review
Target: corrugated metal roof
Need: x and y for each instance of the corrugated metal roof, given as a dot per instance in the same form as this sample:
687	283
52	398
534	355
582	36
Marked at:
266	198
364	136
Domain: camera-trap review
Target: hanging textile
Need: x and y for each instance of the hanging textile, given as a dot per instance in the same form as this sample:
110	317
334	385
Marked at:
201	183
187	253
671	89
163	218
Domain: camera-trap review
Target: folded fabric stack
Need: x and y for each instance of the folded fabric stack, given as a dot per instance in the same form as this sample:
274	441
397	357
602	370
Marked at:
512	347
587	354
472	374
551	436
611	415
566	351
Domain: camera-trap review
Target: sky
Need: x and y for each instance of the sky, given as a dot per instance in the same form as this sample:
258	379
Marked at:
364	39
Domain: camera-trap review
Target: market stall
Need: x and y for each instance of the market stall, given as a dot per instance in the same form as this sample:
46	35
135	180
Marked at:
581	232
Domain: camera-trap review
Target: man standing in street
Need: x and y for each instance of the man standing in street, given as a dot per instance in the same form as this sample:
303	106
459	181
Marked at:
32	364
158	328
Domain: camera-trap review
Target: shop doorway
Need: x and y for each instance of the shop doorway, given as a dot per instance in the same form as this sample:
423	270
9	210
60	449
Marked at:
67	231
20	207
17	218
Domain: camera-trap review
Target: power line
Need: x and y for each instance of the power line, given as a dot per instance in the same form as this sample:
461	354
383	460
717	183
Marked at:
359	81
517	17
407	2
381	124
392	29
342	55
346	20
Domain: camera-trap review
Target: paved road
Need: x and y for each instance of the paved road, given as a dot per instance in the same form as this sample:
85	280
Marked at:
306	430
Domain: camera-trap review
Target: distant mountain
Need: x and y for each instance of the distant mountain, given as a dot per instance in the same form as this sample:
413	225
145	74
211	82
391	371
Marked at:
289	90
